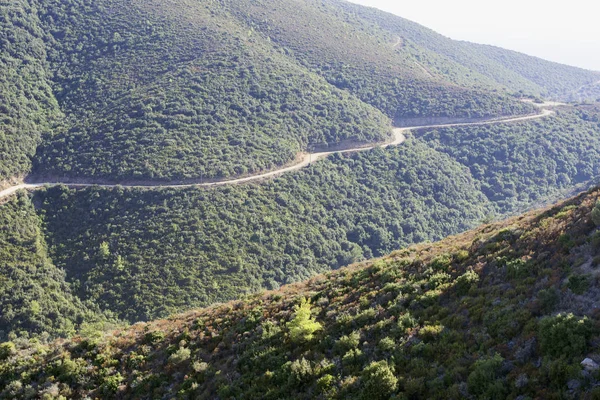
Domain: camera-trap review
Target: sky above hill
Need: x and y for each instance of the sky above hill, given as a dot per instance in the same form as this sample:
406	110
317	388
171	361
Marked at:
566	32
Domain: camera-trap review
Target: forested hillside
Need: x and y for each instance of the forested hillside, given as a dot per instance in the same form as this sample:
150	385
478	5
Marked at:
186	91
183	90
34	296
504	311
157	92
174	93
519	164
27	106
173	248
377	66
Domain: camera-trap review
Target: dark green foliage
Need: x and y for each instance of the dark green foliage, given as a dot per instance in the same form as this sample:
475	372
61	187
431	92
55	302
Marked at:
27	105
178	248
34	296
484	381
518	164
379	381
548	298
564	334
183	93
578	283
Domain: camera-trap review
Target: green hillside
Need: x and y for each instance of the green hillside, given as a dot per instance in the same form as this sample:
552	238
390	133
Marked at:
34	295
154	91
176	248
358	56
161	92
116	90
518	164
27	106
180	91
171	249
504	311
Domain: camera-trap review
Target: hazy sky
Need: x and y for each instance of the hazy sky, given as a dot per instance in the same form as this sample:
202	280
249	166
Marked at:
562	31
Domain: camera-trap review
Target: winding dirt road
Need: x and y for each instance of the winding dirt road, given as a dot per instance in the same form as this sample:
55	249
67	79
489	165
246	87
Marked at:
397	139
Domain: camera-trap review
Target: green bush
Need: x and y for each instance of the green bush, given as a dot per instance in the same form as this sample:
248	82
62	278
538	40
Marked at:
465	282
154	337
548	298
564	335
378	381
578	284
301	372
386	344
110	384
483	381
325	383
347	342
181	355
406	321
7	350
517	269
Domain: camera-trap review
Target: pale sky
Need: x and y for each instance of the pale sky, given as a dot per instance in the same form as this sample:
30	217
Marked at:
563	31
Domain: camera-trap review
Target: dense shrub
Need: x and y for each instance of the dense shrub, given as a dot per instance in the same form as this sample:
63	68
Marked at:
564	334
379	381
484	381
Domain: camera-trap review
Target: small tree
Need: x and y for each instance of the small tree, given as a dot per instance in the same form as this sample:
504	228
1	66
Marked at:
596	213
104	250
302	327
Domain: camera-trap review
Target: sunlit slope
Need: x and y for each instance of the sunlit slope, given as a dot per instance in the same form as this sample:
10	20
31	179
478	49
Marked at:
503	311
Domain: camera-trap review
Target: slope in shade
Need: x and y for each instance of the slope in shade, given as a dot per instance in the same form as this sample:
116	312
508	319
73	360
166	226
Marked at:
34	296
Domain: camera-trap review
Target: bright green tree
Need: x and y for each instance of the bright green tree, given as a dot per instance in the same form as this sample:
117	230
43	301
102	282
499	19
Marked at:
302	327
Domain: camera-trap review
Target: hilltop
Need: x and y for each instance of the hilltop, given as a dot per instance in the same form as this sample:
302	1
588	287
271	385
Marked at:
502	311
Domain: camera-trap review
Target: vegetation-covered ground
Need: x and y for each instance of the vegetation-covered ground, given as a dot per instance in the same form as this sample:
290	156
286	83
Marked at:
519	164
27	105
184	90
165	250
35	298
473	64
171	249
503	311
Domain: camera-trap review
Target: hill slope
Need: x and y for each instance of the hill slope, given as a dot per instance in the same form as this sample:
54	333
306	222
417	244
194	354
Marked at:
179	90
503	311
509	69
34	295
192	247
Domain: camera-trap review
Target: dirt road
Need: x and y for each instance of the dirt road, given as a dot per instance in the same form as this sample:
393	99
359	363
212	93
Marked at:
398	138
